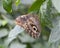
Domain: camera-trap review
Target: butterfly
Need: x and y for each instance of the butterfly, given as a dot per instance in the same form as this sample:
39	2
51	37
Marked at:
30	23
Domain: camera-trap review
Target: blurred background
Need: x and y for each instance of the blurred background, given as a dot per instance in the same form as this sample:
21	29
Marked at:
12	36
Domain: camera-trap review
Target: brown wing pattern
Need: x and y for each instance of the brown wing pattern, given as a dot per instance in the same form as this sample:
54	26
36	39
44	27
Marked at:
30	23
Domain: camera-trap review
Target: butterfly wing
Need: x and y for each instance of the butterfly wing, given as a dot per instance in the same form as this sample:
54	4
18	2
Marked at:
30	23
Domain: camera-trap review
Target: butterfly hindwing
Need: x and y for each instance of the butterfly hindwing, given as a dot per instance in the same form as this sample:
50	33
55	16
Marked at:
30	23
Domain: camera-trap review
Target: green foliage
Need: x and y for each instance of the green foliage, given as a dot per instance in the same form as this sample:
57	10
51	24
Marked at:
17	2
1	46
7	5
11	37
36	5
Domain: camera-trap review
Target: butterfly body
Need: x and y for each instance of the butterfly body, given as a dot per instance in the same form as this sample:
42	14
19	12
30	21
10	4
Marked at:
30	23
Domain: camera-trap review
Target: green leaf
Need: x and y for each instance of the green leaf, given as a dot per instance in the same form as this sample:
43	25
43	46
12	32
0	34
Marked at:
3	32
7	5
36	5
4	22
55	32
2	46
14	33
16	44
56	4
24	37
17	2
48	13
